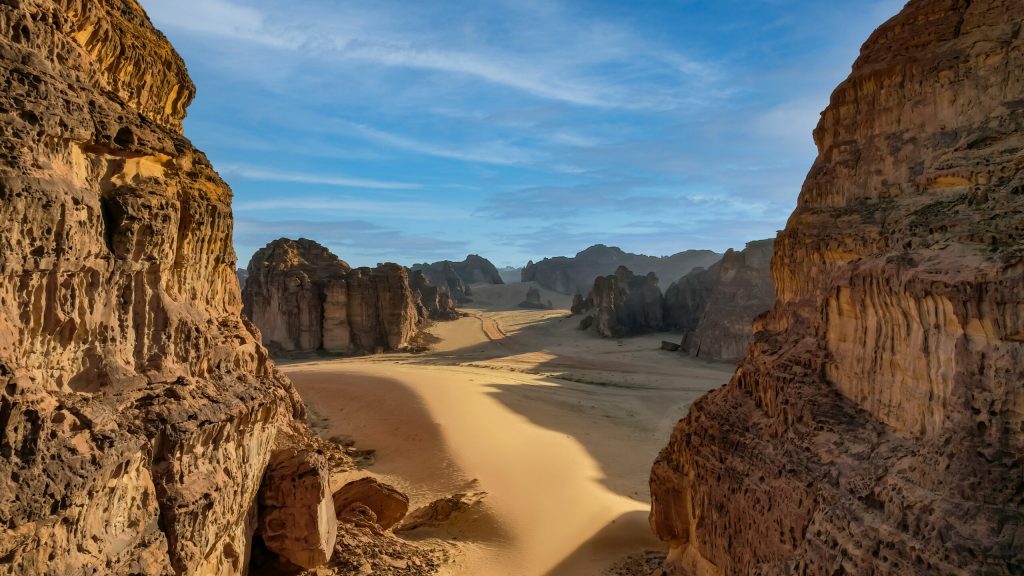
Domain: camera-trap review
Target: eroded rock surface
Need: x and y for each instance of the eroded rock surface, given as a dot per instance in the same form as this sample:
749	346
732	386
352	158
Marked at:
305	299
625	304
875	427
715	307
297	519
138	410
386	505
577	274
436	302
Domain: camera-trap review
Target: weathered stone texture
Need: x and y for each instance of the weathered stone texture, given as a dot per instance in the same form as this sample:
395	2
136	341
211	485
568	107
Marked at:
876	425
138	410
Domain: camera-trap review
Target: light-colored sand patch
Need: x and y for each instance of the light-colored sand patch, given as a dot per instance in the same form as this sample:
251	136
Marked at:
559	427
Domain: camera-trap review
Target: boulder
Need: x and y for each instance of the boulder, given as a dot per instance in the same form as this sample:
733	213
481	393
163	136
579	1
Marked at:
369	500
297	520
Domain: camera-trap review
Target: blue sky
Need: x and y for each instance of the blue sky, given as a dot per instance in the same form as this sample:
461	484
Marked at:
516	129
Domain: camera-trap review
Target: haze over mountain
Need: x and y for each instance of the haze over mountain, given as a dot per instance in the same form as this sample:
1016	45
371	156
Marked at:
405	132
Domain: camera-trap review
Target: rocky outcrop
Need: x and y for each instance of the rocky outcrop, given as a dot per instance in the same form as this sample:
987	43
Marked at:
305	299
714	307
874	427
533	300
436	302
138	410
625	304
577	275
458	277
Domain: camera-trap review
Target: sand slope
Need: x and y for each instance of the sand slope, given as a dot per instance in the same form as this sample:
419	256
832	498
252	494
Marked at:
558	426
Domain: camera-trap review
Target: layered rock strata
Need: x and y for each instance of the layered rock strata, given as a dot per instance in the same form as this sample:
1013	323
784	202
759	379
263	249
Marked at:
577	274
876	424
138	410
624	304
714	307
305	299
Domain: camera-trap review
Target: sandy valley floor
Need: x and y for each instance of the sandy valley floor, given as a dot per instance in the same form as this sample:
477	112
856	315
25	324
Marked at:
557	426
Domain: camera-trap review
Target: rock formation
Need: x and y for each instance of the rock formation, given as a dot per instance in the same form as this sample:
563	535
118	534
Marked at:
875	426
305	299
533	300
138	410
576	275
625	304
436	302
458	277
715	307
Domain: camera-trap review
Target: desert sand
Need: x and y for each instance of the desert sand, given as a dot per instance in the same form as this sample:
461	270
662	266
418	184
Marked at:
557	426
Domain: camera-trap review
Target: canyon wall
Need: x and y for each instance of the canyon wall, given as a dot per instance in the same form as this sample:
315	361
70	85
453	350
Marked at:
138	411
576	275
714	307
305	299
876	425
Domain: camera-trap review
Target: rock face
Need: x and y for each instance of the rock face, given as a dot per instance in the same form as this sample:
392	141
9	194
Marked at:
576	275
297	520
875	427
436	302
625	304
715	307
138	410
305	299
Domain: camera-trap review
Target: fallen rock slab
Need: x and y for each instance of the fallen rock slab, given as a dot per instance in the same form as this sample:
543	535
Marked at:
387	504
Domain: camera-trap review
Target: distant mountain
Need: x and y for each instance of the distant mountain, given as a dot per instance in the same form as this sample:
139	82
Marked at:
510	275
459	276
577	274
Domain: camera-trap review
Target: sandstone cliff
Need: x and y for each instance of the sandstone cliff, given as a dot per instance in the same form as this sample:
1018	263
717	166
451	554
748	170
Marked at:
624	304
143	429
875	426
715	307
138	411
305	299
577	274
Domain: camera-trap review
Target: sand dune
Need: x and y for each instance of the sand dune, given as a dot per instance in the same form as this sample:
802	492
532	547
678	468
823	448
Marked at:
557	426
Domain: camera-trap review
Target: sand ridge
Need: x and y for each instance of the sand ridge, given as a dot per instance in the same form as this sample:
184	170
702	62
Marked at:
557	426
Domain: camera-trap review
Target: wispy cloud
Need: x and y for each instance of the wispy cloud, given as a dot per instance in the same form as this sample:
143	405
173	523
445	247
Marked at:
271	175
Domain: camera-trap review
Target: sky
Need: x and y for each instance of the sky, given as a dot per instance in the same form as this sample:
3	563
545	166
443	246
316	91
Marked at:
410	131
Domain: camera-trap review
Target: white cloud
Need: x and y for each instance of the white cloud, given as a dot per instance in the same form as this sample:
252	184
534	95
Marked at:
270	175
